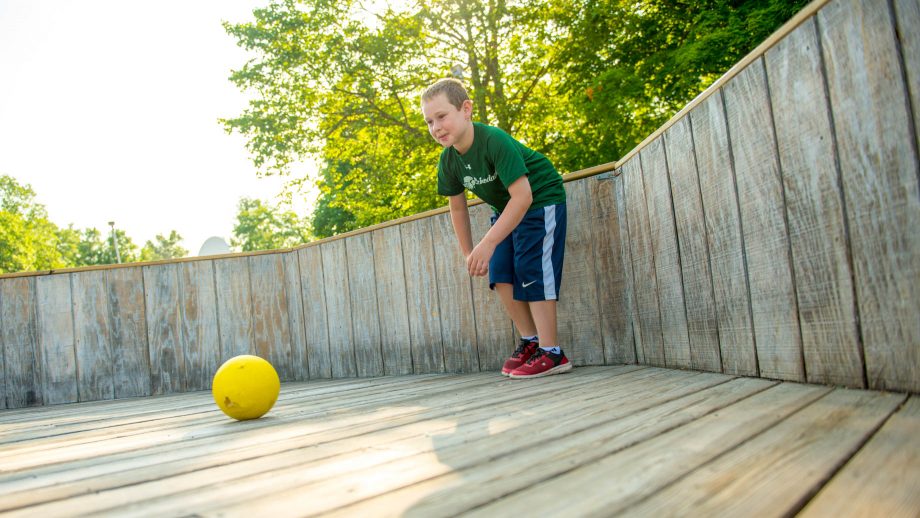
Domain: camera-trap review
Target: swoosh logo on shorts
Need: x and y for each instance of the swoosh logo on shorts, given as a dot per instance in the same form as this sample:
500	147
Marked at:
526	284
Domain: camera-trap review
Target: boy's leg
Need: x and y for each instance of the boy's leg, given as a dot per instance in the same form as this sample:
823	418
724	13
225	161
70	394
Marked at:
539	244
519	311
544	318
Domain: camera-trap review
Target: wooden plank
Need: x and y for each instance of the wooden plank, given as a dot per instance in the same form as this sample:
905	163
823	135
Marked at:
234	307
3	365
198	324
765	475
392	306
161	302
577	310
883	478
22	363
446	495
314	311
93	347
613	269
494	329
338	309
907	14
878	163
724	238
56	339
271	331
760	194
362	283
649	336
422	297
666	252
455	299
292	293
645	468
814	208
630	306
128	332
702	324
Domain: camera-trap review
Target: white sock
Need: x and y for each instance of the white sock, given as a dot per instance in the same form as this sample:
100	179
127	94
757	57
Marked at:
554	350
533	338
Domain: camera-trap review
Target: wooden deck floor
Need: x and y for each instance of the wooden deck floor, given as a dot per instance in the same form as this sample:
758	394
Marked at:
626	440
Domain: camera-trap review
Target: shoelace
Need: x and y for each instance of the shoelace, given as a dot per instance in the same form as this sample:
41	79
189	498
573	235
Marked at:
520	348
536	355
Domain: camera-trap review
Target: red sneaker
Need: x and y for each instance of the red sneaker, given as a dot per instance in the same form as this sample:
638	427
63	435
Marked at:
524	351
543	363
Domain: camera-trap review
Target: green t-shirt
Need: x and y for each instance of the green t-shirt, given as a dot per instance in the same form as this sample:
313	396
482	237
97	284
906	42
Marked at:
493	162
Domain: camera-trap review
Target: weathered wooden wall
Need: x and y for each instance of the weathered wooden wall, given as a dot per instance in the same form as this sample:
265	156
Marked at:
770	229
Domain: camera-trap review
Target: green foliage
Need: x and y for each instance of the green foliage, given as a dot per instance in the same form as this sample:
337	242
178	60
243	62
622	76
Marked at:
163	247
96	248
582	81
262	227
28	240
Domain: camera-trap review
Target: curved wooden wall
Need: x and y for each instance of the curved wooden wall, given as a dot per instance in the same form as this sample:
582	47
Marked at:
769	229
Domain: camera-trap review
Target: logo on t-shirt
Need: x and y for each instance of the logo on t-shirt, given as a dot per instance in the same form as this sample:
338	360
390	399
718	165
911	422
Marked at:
469	182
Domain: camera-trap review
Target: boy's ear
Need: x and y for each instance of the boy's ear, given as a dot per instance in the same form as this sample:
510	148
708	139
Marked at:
467	109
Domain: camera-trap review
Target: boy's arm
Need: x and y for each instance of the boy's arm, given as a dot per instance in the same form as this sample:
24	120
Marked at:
460	219
521	198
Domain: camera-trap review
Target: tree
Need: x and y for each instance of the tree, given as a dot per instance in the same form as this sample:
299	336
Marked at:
95	248
629	66
262	227
163	248
28	239
342	85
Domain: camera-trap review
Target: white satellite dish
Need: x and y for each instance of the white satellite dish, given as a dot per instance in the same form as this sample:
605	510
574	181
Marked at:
214	246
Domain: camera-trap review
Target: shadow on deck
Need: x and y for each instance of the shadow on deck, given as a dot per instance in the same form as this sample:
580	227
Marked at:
629	440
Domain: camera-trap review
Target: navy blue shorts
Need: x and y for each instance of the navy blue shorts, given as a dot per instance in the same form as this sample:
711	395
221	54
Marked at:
530	259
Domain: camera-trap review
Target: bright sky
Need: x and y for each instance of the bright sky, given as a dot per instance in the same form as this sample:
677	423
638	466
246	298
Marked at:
109	109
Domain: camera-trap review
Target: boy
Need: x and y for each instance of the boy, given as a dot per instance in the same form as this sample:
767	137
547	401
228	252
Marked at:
523	251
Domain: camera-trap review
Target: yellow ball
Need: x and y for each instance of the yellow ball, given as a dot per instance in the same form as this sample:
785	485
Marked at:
246	387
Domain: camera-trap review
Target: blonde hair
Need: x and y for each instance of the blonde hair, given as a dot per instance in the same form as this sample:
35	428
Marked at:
452	88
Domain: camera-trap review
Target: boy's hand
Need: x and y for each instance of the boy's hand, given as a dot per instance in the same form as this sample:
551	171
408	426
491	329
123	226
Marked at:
478	261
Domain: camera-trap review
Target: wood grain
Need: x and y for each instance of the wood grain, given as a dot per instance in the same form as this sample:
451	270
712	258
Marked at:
649	336
877	481
314	311
814	207
234	307
494	330
93	345
292	293
54	312
631	307
270	322
22	361
767	474
724	237
422	297
702	324
198	324
338	309
455	299
666	252
391	301
128	332
362	282
878	164
577	311
613	269
162	309
907	14
763	220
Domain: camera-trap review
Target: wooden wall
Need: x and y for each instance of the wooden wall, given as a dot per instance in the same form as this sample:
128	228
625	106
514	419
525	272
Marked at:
770	229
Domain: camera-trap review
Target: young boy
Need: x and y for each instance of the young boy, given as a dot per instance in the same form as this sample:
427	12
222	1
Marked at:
523	251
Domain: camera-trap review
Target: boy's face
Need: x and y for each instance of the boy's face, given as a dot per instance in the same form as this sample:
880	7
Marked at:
447	124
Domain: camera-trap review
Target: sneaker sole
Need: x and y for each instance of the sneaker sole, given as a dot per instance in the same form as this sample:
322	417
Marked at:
506	373
559	369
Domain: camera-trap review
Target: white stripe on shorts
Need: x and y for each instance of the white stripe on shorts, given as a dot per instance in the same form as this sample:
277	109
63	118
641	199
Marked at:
549	278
